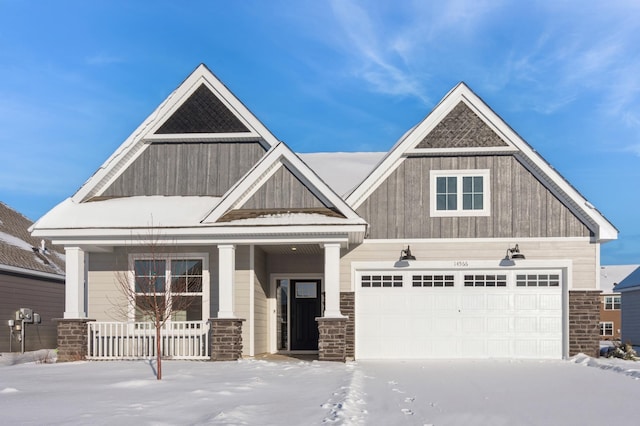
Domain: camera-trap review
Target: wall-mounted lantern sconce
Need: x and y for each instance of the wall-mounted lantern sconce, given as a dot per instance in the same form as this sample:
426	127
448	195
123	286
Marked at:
405	257
512	255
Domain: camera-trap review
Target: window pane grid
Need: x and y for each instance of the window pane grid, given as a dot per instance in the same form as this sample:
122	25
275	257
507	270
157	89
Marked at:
433	280
612	303
537	280
381	281
481	280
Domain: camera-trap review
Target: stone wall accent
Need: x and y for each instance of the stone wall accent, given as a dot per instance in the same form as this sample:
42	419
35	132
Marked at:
226	339
331	340
584	318
72	338
348	309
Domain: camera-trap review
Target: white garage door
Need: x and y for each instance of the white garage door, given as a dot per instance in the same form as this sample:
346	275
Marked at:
459	314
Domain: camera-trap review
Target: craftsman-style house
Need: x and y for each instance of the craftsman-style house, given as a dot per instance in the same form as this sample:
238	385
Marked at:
461	242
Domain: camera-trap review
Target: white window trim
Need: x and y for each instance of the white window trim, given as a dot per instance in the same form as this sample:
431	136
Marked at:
485	173
168	257
602	328
613	304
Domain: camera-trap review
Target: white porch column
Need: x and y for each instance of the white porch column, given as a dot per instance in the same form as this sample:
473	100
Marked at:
74	292
332	281
226	273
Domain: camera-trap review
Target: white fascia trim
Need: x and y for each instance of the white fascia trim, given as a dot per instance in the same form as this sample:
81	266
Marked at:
465	151
205	137
512	240
31	272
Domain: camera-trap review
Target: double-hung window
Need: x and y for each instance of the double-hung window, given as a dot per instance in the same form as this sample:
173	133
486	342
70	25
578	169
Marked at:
606	328
175	286
612	303
460	192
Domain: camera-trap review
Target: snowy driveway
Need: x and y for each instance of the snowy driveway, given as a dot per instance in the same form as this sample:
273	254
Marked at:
309	393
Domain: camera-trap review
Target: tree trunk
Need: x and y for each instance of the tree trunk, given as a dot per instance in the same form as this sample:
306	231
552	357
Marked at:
158	353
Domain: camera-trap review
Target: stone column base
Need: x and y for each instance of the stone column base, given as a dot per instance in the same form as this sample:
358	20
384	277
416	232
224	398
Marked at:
72	338
332	342
226	339
584	319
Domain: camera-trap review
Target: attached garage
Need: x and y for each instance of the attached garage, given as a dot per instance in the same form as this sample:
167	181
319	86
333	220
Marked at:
419	314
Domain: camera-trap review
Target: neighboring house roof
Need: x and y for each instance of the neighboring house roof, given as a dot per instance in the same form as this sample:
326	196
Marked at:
486	133
21	253
612	275
631	281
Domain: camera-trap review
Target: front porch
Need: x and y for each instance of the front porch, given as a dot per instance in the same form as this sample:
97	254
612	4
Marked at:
241	307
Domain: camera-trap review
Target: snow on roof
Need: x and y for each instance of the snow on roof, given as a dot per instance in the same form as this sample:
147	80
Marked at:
632	280
292	218
342	171
610	275
129	212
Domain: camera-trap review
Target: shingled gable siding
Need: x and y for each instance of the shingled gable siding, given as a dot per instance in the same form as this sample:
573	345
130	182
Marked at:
282	190
520	205
203	112
461	128
175	169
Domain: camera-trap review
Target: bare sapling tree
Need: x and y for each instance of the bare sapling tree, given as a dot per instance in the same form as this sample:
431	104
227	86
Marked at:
159	288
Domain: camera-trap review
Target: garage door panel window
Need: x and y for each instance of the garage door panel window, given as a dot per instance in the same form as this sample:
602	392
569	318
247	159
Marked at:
482	280
381	281
433	280
538	280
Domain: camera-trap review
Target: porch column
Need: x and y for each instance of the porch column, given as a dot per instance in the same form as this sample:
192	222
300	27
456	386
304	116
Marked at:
332	281
226	273
74	305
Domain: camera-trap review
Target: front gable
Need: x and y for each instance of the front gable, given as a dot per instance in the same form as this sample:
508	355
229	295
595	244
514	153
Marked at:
462	151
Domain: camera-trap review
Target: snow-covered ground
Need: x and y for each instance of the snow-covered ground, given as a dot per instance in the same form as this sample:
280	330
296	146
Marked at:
580	391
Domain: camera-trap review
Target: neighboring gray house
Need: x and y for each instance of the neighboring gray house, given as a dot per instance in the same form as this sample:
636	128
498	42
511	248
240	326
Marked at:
629	289
460	242
31	276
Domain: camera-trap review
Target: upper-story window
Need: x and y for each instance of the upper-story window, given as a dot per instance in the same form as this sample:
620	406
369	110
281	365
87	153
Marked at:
612	303
460	193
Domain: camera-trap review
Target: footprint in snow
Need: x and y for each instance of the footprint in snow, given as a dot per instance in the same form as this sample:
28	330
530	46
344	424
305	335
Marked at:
407	411
409	399
397	390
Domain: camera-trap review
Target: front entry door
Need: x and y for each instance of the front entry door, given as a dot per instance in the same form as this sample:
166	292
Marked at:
305	308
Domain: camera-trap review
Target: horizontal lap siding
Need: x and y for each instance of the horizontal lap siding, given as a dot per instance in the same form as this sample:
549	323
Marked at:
520	205
106	301
186	169
582	254
44	297
631	317
261	291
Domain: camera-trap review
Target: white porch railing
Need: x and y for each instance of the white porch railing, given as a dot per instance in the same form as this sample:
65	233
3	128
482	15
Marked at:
135	340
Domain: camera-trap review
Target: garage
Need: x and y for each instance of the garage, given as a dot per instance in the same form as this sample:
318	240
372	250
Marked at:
419	314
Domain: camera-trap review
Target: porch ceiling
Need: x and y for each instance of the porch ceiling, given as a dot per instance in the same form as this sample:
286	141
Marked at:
292	249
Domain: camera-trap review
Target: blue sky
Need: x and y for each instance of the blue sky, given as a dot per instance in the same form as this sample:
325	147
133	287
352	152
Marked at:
77	77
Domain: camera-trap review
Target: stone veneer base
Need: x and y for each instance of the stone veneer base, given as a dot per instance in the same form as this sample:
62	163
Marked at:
72	338
331	339
584	319
226	339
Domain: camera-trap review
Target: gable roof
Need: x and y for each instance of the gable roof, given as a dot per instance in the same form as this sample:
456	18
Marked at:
201	109
612	275
21	253
631	281
486	133
276	159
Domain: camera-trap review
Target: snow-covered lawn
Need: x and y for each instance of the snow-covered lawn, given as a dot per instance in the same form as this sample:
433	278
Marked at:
581	391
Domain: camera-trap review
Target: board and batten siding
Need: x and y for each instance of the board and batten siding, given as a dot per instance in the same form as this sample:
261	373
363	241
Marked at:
520	205
581	253
186	169
282	190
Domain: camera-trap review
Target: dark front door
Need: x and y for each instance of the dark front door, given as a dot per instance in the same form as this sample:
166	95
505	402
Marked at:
305	308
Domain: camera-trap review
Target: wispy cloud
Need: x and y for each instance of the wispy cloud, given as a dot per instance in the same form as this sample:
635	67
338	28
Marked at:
376	52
